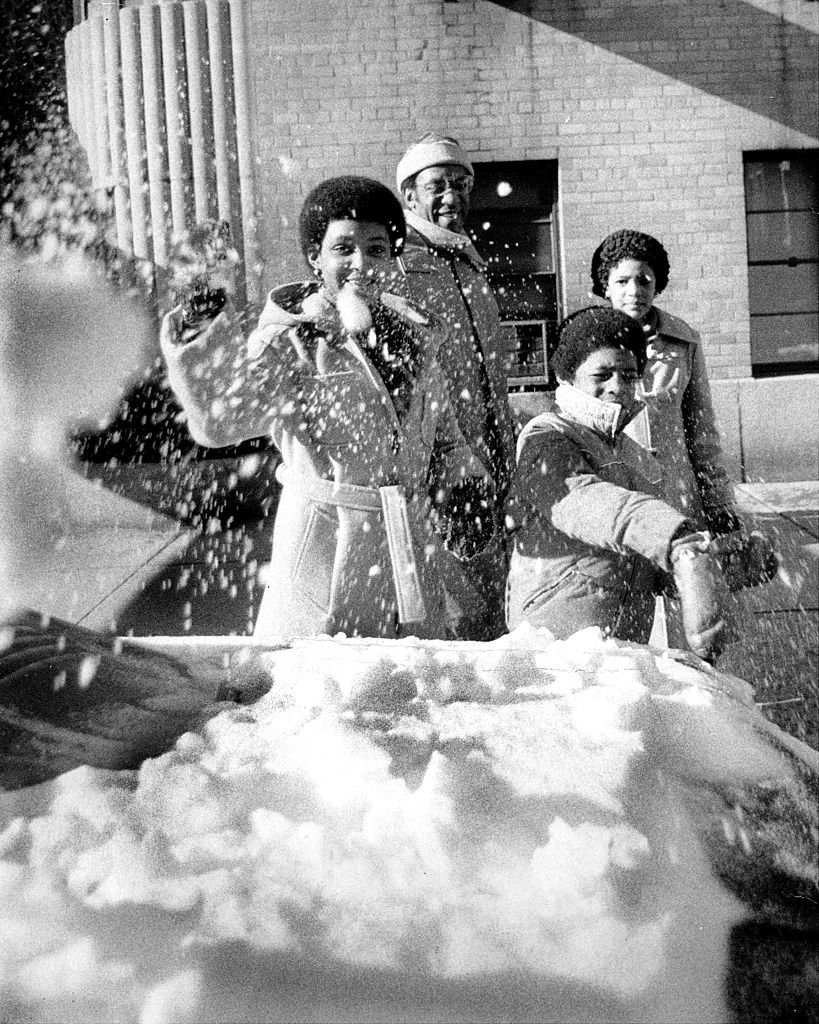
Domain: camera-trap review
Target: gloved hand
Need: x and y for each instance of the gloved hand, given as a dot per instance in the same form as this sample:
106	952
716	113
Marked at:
722	519
746	559
702	592
202	271
467	520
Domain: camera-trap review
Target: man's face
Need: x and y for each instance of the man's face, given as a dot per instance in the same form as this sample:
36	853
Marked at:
441	195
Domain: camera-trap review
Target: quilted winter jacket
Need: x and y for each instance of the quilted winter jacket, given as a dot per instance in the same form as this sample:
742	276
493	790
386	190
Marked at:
589	533
342	444
678	425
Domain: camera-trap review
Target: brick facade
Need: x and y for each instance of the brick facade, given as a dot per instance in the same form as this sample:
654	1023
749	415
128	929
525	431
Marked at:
647	105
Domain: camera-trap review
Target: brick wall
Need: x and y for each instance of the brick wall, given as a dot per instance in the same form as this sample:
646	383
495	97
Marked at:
647	105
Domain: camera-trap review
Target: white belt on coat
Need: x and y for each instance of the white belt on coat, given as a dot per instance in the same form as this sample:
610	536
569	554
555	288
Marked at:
391	502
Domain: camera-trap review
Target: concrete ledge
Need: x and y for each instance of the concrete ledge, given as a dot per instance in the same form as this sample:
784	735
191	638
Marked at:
770	427
787	496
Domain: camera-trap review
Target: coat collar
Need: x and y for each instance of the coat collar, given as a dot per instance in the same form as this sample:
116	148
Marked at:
305	303
606	418
442	238
668	326
292	304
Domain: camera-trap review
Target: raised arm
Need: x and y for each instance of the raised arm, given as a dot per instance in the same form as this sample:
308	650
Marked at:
232	387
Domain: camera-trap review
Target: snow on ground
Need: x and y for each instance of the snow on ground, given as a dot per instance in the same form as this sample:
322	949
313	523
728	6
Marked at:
405	831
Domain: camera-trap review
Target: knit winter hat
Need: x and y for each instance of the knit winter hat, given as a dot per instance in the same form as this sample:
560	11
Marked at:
431	151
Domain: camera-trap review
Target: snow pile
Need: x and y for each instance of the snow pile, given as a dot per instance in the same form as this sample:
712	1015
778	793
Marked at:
399	830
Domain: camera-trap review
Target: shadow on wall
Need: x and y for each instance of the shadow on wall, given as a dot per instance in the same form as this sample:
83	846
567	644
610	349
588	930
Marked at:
667	38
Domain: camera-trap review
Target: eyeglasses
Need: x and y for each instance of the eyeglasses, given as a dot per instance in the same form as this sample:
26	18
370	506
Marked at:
461	186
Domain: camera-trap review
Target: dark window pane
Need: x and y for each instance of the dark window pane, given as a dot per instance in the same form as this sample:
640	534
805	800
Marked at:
785	339
787	183
783	289
525	296
516	245
783	236
513	185
783	255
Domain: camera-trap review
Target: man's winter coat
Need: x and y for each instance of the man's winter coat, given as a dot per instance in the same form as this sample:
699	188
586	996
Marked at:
354	509
445	275
679	427
590	537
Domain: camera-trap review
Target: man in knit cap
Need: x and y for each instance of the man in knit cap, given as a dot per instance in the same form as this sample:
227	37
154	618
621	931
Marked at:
445	274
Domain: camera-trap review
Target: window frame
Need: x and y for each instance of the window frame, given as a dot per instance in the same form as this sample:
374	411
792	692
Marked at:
541	176
761	369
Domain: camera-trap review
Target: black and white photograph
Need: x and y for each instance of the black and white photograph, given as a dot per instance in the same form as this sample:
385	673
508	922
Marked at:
409	511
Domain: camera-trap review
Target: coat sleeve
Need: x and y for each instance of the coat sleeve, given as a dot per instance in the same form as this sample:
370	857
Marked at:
555	479
230	387
454	460
703	443
463	297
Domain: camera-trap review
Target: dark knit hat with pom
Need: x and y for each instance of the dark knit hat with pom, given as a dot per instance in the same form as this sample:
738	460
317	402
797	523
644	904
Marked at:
350	198
628	245
591	329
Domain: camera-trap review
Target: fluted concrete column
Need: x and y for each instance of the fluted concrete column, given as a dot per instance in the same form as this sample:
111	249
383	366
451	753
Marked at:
158	96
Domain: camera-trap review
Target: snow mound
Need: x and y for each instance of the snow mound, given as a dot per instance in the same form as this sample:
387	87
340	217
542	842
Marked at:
524	830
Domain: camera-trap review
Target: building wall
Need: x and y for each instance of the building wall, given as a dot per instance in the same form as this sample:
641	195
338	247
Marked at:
647	105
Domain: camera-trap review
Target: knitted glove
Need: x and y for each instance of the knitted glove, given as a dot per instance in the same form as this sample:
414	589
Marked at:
202	303
701	591
201	271
722	519
746	559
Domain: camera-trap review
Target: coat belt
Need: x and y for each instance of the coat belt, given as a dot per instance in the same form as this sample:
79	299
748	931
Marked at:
328	492
391	503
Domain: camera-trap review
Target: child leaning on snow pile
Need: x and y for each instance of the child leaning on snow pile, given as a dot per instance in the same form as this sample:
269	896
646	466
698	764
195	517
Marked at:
593	543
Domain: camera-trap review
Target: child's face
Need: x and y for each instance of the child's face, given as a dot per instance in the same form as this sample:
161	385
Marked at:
354	253
631	288
610	375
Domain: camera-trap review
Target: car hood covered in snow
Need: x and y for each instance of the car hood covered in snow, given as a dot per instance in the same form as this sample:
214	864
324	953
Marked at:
530	829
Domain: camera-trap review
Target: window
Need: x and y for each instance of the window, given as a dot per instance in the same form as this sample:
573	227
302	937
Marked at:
783	261
512	221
